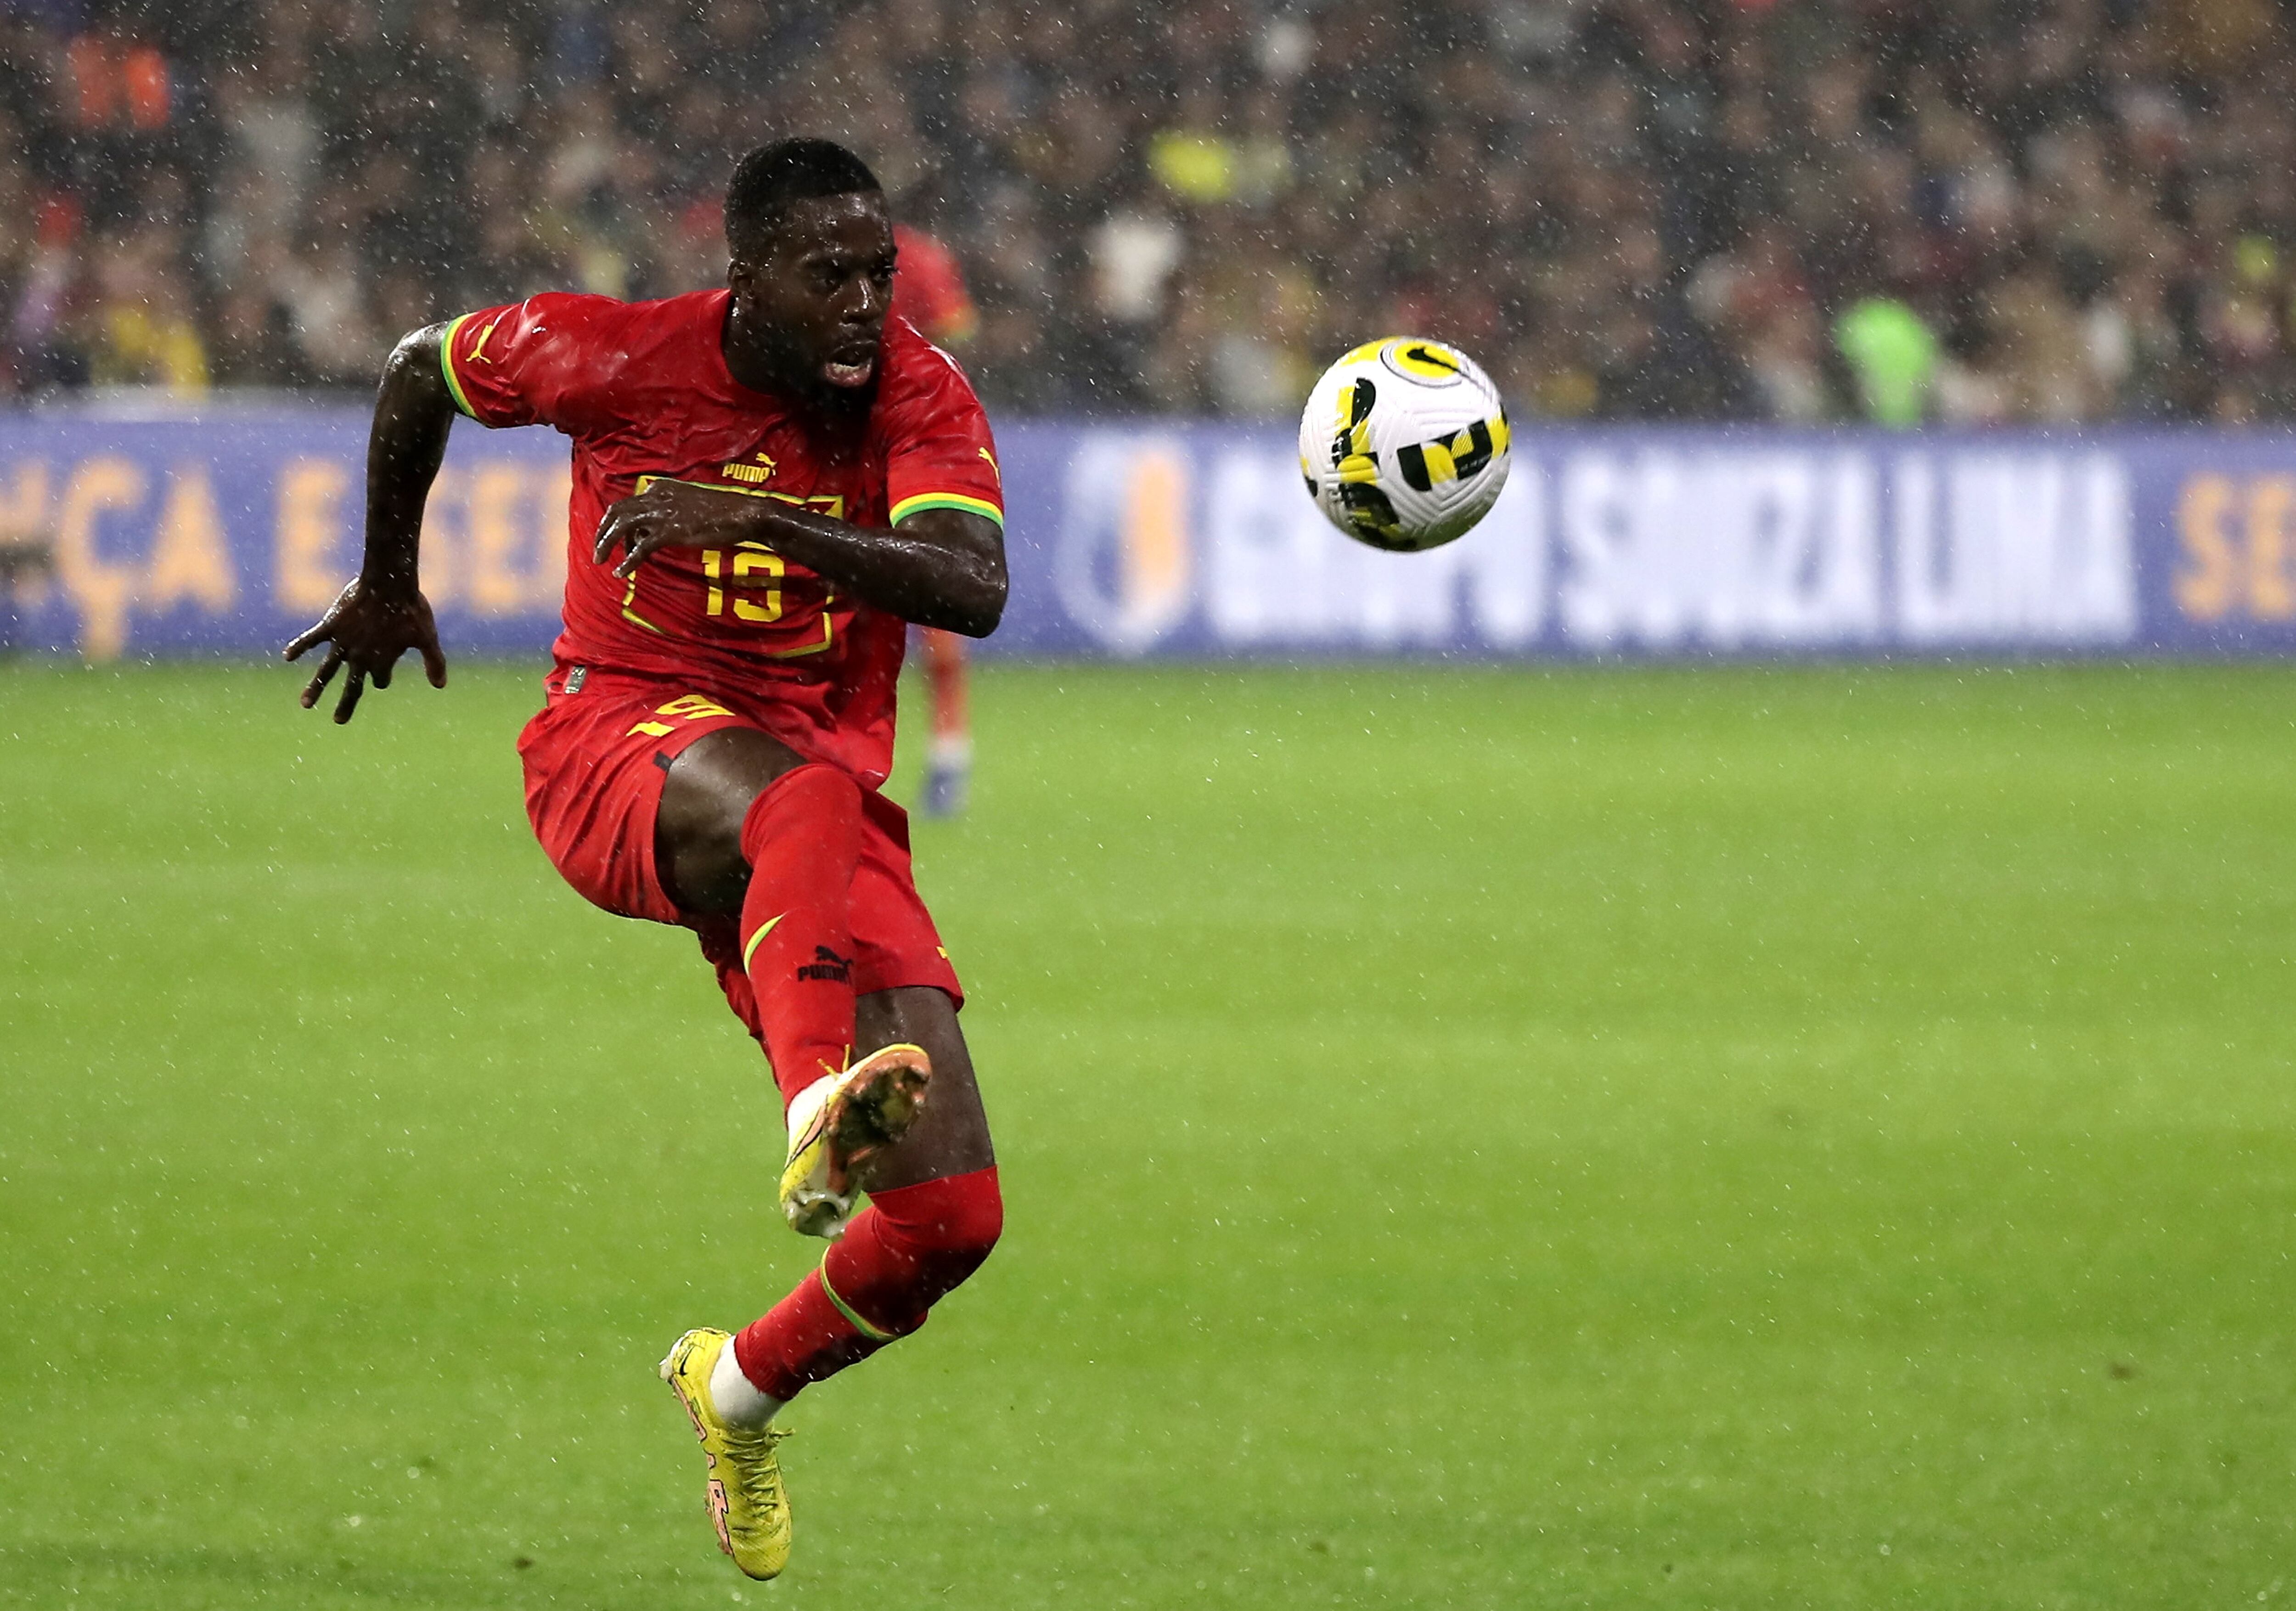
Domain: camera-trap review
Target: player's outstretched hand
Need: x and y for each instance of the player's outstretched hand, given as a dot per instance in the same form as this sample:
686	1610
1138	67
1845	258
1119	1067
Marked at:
675	515
367	628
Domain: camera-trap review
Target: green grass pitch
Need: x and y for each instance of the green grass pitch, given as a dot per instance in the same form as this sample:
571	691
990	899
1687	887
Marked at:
1749	1138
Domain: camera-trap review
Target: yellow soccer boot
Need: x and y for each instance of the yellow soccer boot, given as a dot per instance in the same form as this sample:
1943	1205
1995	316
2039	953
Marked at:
748	1503
840	1119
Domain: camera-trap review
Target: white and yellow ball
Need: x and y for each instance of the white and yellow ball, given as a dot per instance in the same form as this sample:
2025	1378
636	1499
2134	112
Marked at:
1404	444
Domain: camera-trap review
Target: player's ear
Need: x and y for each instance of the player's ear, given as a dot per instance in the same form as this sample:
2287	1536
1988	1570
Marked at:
747	277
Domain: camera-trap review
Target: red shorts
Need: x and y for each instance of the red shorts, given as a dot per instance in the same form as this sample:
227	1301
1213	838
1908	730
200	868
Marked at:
596	755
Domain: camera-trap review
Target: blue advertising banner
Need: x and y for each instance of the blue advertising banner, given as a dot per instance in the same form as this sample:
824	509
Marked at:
228	533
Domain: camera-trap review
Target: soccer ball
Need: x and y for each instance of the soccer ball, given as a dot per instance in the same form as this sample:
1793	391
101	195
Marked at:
1404	444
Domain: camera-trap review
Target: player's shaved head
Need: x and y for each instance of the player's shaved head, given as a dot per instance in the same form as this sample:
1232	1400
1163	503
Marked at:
773	177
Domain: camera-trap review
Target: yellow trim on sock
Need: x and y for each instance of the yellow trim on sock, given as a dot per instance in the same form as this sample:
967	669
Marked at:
872	1332
750	950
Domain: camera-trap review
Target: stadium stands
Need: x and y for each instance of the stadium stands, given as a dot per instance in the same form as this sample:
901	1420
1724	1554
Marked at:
1960	210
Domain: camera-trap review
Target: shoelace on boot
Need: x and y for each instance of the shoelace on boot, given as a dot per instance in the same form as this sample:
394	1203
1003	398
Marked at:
753	1451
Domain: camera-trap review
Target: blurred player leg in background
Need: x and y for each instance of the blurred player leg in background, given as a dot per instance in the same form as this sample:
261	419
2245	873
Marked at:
948	761
928	291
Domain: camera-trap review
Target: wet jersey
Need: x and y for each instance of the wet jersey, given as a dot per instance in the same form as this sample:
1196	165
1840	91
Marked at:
643	391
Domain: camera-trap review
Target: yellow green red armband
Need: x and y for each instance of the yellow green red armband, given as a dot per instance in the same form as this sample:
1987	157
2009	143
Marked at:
921	501
447	364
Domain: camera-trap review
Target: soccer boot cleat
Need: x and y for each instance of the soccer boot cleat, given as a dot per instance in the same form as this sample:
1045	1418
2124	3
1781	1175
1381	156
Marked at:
748	1504
840	1119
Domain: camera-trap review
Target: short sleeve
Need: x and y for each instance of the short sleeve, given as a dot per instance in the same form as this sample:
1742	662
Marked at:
532	363
940	454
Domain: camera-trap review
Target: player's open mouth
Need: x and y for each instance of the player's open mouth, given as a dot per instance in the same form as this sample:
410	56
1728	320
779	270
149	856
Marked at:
852	369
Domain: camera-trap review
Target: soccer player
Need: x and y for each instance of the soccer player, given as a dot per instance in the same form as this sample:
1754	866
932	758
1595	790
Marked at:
929	293
769	481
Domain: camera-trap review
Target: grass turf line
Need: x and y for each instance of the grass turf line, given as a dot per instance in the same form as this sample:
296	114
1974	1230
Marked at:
1616	1138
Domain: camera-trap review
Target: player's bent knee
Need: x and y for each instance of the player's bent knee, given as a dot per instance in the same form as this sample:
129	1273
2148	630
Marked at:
917	1244
948	1226
969	1218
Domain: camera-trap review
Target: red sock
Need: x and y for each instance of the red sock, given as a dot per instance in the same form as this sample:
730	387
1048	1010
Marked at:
802	838
908	1250
945	678
803	1338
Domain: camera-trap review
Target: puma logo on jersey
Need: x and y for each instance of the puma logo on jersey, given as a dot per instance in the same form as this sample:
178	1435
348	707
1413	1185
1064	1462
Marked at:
762	470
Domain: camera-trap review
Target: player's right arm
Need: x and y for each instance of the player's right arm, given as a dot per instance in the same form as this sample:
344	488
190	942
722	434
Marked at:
381	614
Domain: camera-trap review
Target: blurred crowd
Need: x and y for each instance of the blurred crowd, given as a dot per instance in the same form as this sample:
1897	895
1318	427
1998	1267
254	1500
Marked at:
1958	210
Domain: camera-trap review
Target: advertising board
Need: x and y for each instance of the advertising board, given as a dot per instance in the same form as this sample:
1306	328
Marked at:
228	533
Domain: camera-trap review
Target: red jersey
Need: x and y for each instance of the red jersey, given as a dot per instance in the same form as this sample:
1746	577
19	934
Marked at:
643	390
929	288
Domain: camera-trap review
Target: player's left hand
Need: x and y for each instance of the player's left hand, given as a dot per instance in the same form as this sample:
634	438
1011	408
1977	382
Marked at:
676	515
